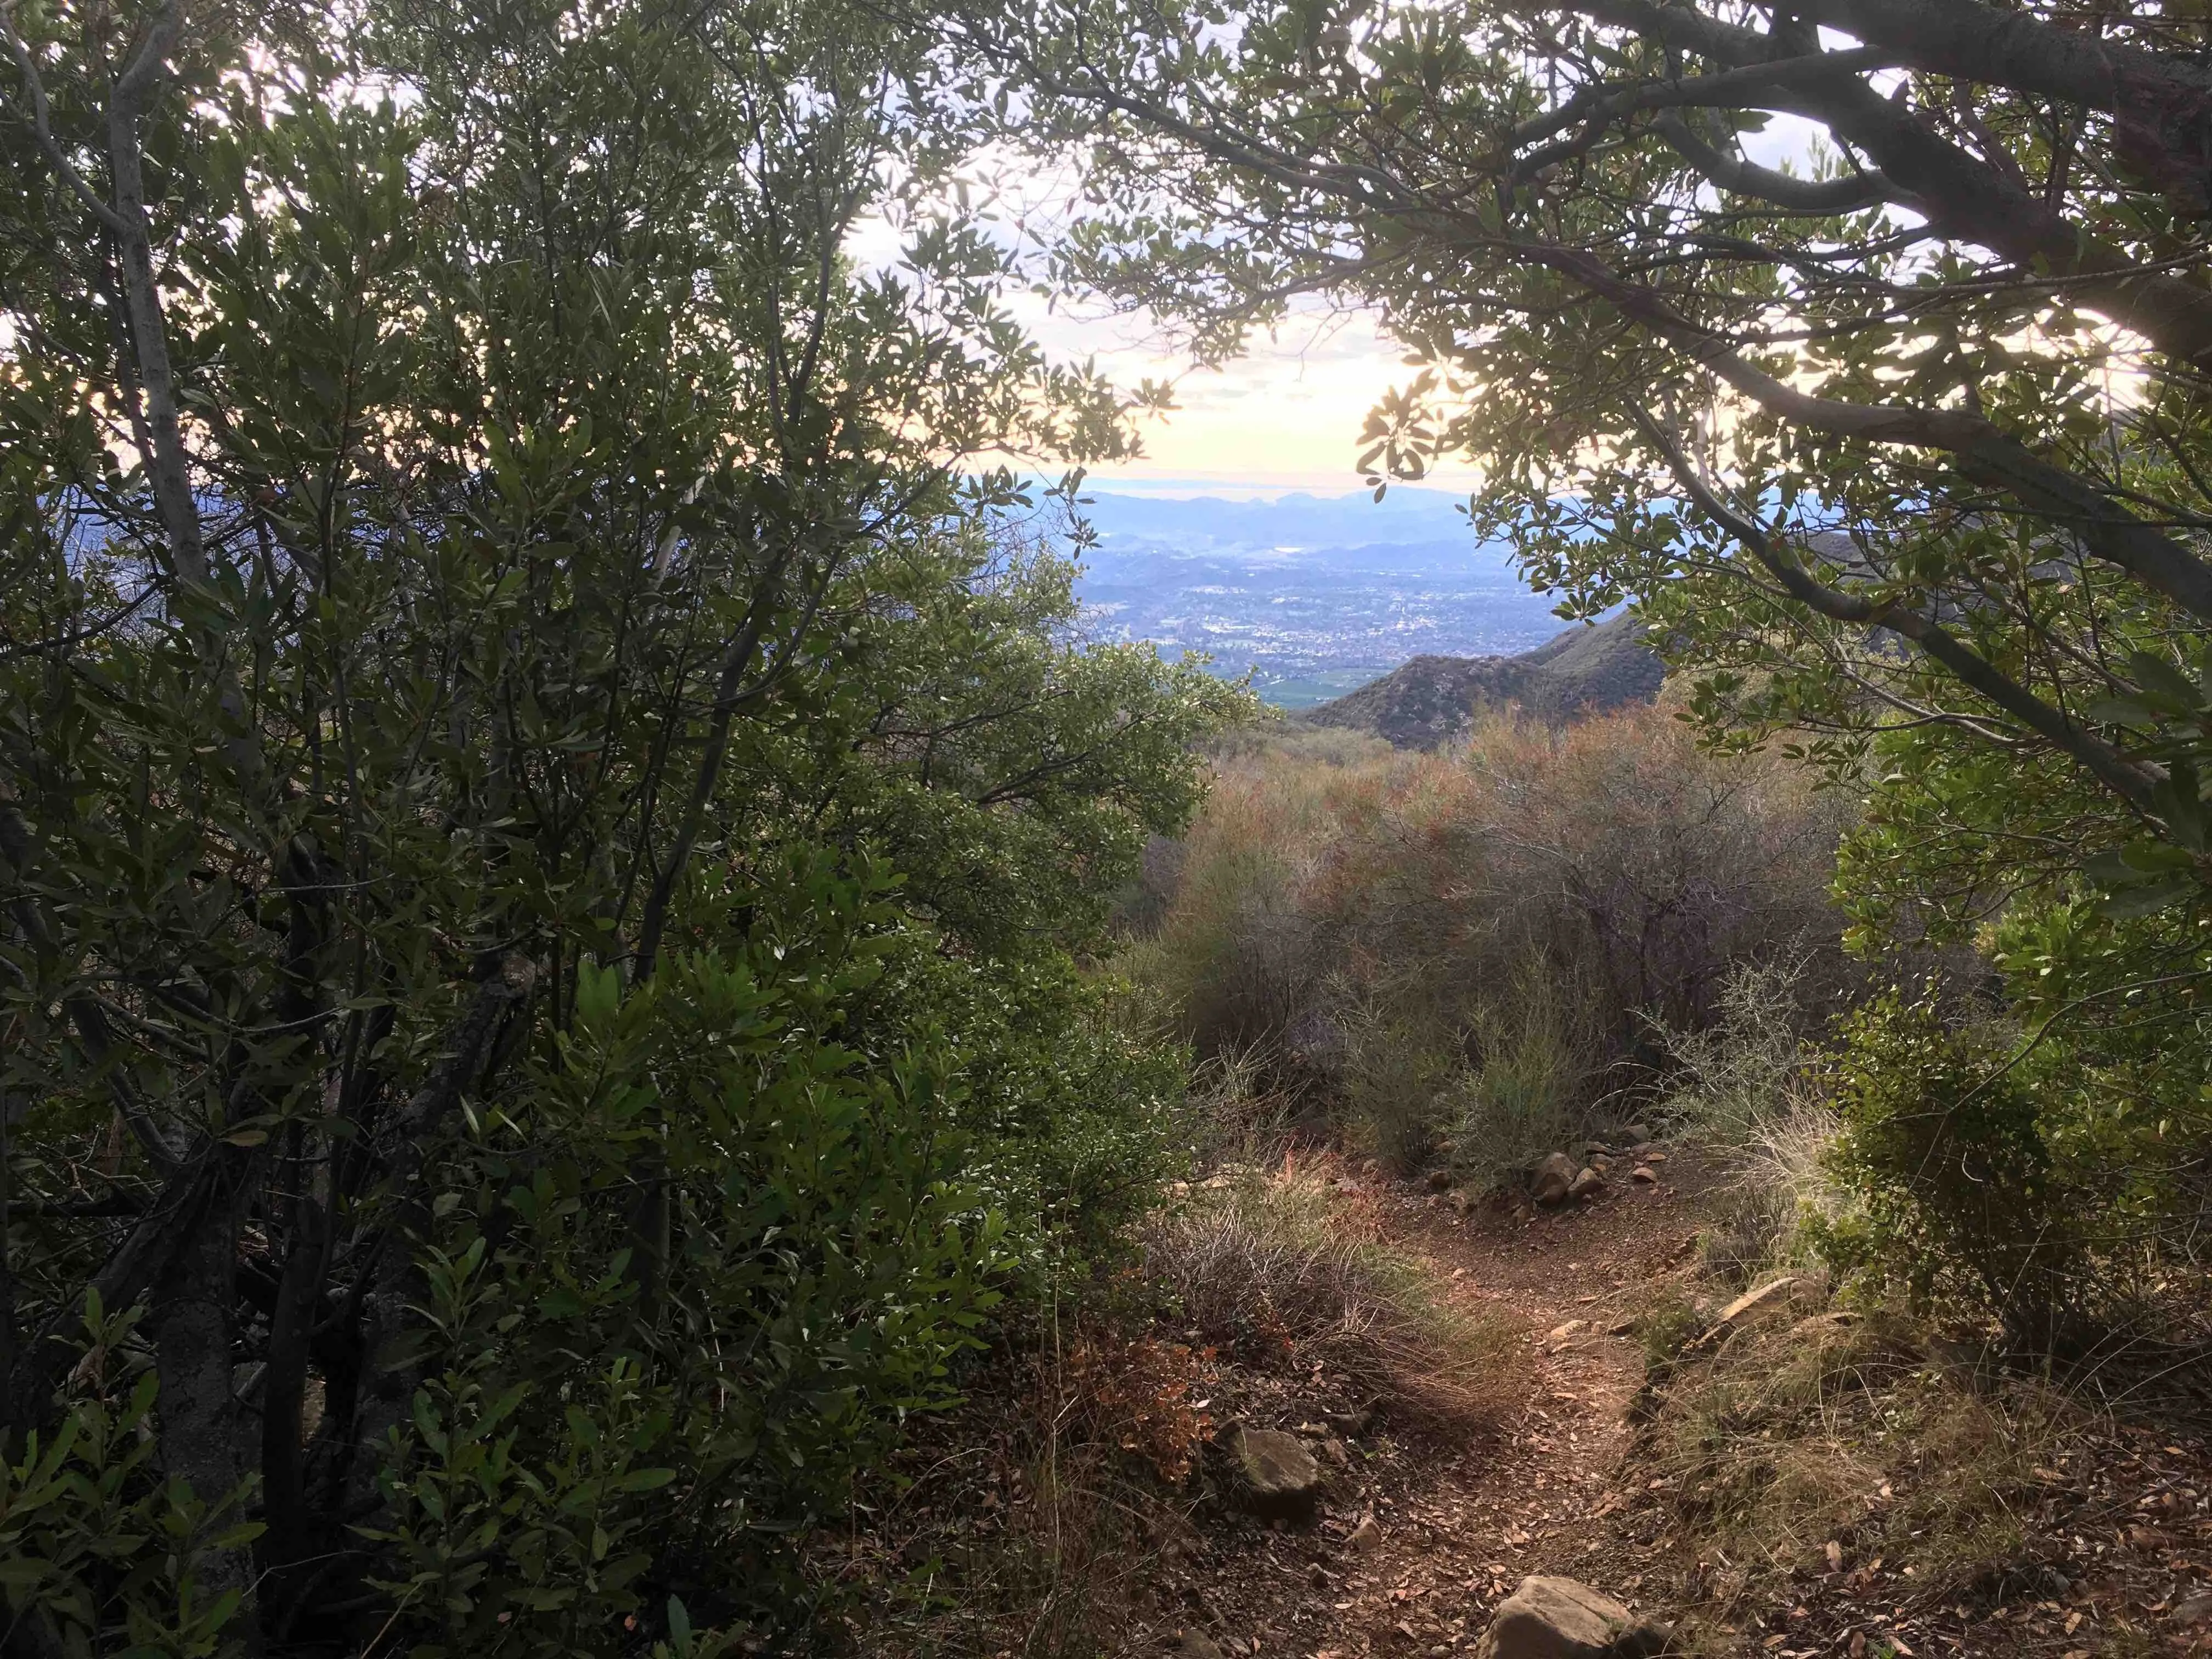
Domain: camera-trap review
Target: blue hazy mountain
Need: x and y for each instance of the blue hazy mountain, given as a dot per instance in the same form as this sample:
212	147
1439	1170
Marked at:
1316	594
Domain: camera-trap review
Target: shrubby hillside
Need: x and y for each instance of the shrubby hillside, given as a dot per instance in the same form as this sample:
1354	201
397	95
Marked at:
1474	957
1434	700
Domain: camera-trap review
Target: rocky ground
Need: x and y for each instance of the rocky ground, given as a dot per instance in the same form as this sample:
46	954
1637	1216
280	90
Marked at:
1418	1537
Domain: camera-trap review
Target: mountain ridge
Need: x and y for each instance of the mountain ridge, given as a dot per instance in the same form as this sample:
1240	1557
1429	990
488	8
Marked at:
1432	701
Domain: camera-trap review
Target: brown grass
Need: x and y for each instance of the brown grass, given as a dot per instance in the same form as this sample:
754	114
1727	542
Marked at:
1844	1431
1281	1272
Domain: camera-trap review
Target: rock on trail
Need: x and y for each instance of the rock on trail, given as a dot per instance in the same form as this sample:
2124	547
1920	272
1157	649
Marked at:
1561	1618
1279	1476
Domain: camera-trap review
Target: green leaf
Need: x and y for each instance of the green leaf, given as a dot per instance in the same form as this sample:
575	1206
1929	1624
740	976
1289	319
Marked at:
2149	898
2164	683
2120	711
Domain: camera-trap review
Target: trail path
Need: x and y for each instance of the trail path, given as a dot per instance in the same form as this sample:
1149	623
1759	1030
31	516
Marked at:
1459	1527
2113	1553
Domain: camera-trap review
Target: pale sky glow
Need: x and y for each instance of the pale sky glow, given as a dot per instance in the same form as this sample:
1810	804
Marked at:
1285	417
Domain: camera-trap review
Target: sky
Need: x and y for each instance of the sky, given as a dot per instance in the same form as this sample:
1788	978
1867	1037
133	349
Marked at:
1287	415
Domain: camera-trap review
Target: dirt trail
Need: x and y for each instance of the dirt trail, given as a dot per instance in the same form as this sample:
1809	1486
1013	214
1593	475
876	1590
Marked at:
1460	1525
2112	1551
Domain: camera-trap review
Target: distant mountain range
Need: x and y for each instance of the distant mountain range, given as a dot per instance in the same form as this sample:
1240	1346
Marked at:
1316	594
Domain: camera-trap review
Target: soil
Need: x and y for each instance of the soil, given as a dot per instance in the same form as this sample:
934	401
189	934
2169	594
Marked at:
2118	1557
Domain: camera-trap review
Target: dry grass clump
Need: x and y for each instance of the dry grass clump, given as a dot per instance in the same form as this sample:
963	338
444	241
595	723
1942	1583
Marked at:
1840	1448
1031	1520
1284	1272
1747	1090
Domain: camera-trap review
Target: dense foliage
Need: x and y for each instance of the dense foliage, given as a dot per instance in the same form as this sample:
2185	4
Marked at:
1862	342
545	806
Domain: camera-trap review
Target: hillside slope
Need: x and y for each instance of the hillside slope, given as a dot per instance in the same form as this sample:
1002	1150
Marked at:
1431	700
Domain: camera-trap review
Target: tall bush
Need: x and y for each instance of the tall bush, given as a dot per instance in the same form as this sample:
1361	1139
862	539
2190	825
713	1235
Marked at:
489	1141
1486	939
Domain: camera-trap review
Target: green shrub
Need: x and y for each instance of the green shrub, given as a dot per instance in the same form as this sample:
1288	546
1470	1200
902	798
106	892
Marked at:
1396	1081
454	988
1073	1122
1528	1089
96	1551
1957	1195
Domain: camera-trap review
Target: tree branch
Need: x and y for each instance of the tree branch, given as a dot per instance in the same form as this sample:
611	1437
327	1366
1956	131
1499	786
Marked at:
1844	195
2132	783
34	89
1986	452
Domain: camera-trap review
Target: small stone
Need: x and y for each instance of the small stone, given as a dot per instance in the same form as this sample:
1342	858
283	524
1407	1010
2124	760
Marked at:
1551	1178
1194	1646
2193	1608
1440	1180
1337	1452
1280	1476
1586	1184
1643	1177
1635	1134
1366	1537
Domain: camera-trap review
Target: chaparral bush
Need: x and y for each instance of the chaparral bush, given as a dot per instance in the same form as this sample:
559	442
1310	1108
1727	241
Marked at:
1479	945
545	804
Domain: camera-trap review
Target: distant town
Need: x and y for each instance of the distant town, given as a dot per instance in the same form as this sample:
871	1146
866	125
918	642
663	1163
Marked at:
1316	595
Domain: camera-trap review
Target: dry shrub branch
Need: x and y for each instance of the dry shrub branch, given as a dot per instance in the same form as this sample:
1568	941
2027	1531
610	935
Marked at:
1471	951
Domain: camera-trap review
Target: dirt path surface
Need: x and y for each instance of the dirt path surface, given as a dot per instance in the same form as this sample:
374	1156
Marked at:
1454	1527
1422	1535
